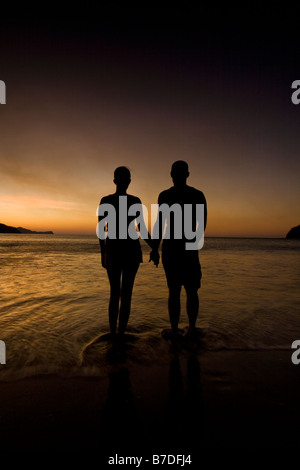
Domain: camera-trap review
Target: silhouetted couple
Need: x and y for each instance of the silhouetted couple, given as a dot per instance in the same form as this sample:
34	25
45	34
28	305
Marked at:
121	256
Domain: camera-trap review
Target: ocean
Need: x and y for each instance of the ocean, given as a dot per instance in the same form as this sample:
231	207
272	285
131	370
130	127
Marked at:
54	302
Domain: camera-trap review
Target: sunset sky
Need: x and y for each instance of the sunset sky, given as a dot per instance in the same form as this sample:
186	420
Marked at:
93	93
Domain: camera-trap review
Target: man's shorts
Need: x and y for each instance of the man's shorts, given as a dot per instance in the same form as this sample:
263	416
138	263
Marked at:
182	269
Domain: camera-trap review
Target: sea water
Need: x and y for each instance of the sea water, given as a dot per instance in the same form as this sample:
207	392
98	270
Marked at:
55	293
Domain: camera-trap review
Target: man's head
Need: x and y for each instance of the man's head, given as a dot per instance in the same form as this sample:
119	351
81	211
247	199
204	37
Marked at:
122	177
179	172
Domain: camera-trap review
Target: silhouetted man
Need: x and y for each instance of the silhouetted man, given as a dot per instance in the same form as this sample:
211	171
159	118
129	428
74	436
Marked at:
182	266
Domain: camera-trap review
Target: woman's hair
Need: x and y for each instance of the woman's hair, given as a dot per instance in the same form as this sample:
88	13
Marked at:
122	175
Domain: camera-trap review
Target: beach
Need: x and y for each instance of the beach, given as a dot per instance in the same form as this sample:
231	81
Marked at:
66	385
171	108
189	404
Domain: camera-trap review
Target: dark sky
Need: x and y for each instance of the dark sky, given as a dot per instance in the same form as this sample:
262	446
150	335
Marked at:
144	87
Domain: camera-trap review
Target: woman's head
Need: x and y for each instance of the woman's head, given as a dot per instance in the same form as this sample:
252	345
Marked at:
122	177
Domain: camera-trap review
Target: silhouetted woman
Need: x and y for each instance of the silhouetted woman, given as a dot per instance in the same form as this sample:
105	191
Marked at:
121	257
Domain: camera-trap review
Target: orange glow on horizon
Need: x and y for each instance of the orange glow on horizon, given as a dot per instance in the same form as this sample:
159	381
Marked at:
71	217
117	102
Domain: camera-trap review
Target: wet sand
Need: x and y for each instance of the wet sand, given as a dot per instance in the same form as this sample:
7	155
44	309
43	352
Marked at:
186	403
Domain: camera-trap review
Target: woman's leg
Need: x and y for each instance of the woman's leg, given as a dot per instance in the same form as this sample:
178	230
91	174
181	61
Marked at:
128	276
114	276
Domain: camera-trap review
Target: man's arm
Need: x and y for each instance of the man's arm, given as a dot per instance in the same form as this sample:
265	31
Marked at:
158	227
205	209
158	231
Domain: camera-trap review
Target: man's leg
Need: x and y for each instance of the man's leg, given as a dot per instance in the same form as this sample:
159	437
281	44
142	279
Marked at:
192	306
174	306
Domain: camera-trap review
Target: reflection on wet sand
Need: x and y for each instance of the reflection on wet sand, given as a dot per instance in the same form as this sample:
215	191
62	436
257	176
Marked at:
178	422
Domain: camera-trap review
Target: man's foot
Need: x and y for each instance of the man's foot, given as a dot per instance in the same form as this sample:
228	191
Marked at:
172	334
175	333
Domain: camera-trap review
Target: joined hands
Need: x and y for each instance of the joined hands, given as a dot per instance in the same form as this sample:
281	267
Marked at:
154	256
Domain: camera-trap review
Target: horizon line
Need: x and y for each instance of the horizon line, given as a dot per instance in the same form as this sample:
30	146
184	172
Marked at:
95	235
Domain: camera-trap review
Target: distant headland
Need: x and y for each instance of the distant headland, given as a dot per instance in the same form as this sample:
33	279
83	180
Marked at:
294	233
8	229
